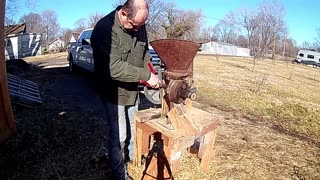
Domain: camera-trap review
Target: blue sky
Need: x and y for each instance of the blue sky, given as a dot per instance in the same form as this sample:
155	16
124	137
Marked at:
302	16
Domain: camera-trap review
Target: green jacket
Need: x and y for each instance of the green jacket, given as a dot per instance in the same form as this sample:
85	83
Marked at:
120	59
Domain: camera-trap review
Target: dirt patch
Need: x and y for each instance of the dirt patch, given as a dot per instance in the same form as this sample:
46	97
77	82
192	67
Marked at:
56	139
66	137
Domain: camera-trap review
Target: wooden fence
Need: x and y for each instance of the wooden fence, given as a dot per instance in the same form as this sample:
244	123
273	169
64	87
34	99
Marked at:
7	124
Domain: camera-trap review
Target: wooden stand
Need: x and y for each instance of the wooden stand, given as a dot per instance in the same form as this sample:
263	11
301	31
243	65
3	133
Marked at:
150	128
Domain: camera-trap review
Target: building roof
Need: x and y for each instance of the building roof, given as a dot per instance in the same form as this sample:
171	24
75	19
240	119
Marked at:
15	29
224	44
75	35
51	42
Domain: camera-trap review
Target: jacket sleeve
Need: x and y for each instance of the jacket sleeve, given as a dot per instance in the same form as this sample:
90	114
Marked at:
119	69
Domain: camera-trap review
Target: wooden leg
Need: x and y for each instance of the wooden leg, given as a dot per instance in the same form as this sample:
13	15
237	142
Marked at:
175	163
146	143
206	150
138	146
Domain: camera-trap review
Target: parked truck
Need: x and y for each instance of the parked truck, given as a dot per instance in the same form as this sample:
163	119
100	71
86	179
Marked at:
80	56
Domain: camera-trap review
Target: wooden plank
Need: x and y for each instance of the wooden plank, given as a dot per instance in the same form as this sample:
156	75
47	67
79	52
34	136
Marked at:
207	150
7	124
178	125
181	121
137	142
148	114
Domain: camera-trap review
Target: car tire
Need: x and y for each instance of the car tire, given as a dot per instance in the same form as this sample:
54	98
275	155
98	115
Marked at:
72	66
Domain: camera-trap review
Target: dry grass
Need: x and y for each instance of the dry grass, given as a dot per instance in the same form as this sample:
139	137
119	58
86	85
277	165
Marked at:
284	93
57	140
250	150
46	56
254	150
258	106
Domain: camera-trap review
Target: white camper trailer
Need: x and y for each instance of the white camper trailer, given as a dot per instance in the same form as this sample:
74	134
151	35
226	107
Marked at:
308	57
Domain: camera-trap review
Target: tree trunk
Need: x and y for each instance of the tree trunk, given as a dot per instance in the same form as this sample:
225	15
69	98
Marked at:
274	48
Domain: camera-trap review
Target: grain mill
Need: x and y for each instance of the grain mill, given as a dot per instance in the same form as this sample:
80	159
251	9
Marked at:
178	89
169	131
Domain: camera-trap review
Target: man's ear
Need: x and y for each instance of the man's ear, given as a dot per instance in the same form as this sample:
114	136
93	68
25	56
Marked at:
123	13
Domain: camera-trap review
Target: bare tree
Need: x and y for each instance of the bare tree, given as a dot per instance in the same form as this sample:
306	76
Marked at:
13	6
306	45
81	24
178	23
241	41
206	34
194	18
249	22
94	18
65	34
317	40
33	22
118	3
51	25
291	49
272	25
227	29
156	12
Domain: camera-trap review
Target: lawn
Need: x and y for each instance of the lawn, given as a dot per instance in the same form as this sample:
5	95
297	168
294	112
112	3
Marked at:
283	93
64	138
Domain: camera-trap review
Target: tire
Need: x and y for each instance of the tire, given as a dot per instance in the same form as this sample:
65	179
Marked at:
153	95
72	66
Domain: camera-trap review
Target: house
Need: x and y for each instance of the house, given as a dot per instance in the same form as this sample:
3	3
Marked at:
73	39
56	45
220	48
19	43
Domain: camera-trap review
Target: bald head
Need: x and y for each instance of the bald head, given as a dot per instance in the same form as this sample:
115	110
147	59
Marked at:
133	14
132	7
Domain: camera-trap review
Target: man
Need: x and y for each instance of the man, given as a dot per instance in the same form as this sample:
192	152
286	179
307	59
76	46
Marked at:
120	51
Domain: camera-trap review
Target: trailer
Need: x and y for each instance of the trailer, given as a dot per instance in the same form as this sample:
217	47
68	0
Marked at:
308	57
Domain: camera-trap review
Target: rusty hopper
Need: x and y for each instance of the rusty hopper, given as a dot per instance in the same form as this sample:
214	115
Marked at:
177	55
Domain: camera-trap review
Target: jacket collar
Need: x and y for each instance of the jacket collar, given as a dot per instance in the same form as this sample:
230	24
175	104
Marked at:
117	20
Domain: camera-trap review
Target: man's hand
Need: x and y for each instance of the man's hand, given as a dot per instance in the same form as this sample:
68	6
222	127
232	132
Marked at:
154	81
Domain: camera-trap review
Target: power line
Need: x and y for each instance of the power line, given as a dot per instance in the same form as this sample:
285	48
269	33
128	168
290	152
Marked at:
212	18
